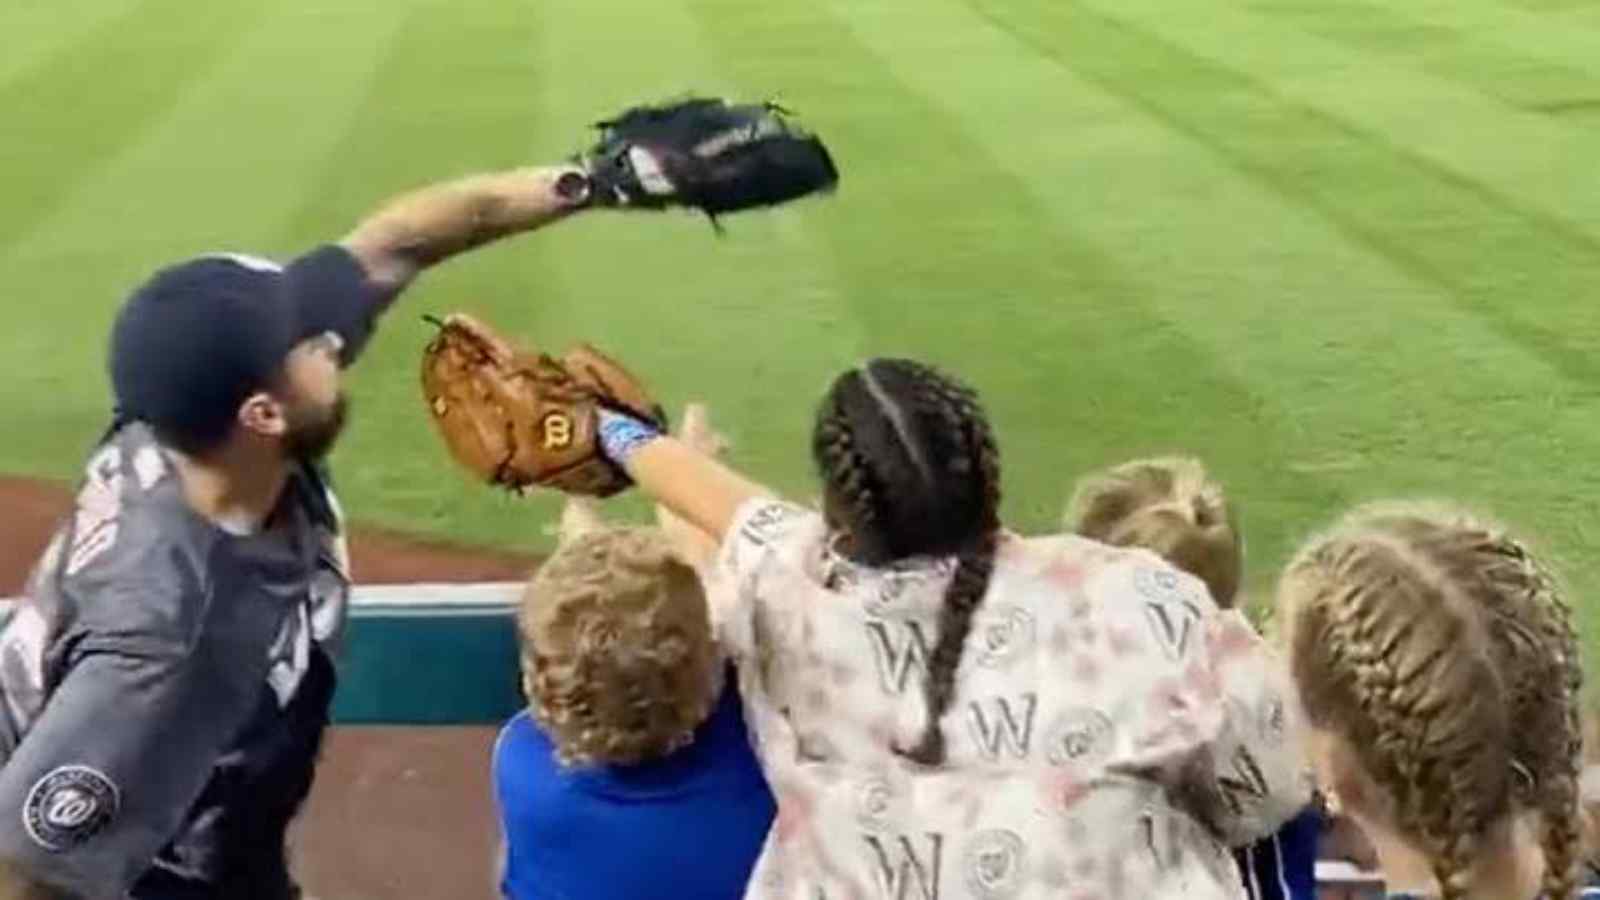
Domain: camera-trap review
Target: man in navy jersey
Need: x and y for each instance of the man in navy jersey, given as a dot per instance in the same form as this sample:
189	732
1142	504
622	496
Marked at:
167	678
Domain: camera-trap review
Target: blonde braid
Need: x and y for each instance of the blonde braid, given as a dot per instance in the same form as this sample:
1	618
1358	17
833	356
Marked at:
1537	655
1453	866
1387	654
1554	750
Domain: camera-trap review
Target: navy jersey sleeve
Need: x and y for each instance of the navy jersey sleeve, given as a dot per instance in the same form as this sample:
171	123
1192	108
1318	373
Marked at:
103	779
331	292
152	680
147	676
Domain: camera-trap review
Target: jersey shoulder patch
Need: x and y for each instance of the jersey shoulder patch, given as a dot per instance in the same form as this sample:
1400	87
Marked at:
68	806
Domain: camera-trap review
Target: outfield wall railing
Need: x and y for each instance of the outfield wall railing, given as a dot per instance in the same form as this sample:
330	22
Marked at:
426	654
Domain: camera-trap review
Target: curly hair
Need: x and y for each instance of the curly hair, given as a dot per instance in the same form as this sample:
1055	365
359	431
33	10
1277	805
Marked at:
1169	505
910	468
1443	652
617	654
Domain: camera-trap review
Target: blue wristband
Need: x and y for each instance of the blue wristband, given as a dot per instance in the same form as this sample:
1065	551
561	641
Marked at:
621	435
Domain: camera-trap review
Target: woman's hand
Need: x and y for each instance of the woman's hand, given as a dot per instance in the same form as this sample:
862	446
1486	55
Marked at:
696	431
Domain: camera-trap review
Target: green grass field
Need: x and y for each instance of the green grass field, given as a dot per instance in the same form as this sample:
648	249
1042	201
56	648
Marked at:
1339	249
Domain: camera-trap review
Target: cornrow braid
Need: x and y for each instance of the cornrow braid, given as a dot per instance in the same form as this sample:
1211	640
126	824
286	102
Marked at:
1537	656
961	601
850	479
1422	636
1549	683
1404	671
1562	837
1394	691
879	427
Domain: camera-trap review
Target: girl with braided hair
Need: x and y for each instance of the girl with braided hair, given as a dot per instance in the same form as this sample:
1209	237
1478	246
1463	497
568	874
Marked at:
1437	663
945	709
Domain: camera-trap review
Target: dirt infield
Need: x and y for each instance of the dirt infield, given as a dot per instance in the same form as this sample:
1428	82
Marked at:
31	509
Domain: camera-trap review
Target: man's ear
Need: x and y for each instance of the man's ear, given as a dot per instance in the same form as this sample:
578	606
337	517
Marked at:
263	414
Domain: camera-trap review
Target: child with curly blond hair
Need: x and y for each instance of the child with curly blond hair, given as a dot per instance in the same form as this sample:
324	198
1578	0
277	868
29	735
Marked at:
630	775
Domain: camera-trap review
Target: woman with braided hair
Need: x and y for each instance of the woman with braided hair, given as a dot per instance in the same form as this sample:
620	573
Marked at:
945	709
1437	664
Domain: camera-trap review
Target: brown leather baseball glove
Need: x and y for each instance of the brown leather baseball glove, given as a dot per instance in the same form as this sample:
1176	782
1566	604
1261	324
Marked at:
520	419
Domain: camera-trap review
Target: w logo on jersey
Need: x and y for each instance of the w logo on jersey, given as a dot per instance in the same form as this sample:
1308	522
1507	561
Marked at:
1004	727
1173	624
899	649
898	865
1247	785
1171	607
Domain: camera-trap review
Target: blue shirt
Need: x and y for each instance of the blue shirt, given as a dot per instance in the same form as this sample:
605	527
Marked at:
689	825
1284	865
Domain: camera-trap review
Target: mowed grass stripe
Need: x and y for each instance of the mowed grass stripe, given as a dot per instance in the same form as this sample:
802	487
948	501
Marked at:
222	170
1534	163
1347	351
1477	371
1513	76
37	31
952	257
1508	114
1494	25
1551	6
1490	428
1435	225
1536	160
228	165
71	112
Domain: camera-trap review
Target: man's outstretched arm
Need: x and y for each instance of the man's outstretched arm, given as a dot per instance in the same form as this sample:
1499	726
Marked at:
431	224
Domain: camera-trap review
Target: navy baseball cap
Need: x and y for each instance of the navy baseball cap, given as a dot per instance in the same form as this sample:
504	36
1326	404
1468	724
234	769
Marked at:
197	338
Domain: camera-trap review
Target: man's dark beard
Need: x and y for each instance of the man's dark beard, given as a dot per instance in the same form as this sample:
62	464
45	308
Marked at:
311	439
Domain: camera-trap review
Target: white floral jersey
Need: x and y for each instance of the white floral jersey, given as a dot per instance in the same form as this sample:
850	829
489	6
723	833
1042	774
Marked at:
1111	733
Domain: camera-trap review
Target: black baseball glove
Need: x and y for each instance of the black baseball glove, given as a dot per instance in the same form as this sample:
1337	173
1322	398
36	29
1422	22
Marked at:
707	154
